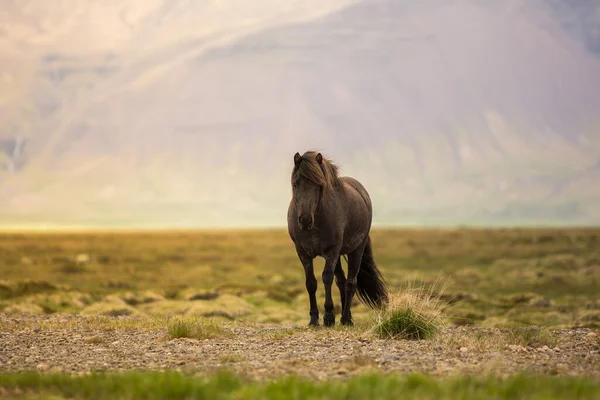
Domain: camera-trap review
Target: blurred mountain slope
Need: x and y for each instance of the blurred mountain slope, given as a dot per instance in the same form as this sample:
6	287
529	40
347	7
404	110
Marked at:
123	112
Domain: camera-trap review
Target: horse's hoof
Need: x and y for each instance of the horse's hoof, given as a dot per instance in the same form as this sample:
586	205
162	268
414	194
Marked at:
347	322
313	323
329	320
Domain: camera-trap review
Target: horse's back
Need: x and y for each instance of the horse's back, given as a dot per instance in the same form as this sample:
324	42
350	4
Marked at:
358	188
358	214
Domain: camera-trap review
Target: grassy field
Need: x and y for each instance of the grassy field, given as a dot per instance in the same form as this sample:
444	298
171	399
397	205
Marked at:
490	277
223	286
135	385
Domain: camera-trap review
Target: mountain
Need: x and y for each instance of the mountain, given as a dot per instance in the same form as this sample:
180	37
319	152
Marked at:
186	114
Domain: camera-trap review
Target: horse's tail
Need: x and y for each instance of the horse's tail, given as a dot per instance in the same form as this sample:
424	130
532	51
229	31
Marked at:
371	287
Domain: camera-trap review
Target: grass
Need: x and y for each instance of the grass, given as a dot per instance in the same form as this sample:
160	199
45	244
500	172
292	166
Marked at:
495	339
193	284
195	328
413	313
531	336
224	385
279	334
500	277
231	358
405	324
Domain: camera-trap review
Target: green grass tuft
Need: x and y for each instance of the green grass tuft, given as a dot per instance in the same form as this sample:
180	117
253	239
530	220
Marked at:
413	314
195	328
406	324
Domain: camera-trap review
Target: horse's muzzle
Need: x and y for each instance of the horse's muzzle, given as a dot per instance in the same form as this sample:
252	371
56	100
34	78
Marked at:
306	222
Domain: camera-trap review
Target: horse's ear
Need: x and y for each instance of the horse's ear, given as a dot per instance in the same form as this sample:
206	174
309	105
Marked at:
319	158
297	159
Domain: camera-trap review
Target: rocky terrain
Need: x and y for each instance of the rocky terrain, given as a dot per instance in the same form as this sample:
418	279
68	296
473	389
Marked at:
80	344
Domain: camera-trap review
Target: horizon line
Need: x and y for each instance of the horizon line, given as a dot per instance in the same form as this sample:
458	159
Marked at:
82	228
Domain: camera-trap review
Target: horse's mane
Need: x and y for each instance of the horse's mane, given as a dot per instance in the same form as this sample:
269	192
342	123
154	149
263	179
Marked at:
325	174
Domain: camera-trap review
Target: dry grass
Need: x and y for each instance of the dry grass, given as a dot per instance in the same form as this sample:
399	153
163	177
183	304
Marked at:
531	336
500	277
91	323
93	339
196	328
231	358
414	313
494	339
279	334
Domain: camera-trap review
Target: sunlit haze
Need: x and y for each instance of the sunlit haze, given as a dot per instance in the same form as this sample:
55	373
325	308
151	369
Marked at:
164	113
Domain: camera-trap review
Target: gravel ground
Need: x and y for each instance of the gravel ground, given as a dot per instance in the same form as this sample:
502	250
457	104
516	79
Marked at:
69	344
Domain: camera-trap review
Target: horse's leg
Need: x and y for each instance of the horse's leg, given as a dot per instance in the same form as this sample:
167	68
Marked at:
340	281
311	287
331	260
354	261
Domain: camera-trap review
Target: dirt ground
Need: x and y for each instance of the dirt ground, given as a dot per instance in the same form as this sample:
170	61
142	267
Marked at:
71	344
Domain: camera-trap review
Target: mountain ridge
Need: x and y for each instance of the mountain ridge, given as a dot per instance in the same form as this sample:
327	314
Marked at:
451	112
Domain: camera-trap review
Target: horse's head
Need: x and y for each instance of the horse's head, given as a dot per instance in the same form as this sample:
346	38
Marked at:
308	183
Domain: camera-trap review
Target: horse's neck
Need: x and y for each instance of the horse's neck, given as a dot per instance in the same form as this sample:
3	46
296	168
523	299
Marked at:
335	193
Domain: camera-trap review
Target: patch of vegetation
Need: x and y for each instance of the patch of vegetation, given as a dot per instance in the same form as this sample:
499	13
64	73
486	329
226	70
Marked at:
50	307
225	385
362	360
413	314
25	287
96	339
405	324
500	277
72	267
466	316
106	323
589	319
526	317
278	334
195	328
531	336
110	308
231	358
135	299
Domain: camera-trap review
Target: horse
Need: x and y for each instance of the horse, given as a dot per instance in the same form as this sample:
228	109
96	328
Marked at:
330	216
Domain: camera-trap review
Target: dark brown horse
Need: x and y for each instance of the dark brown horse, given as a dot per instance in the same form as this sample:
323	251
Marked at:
330	216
